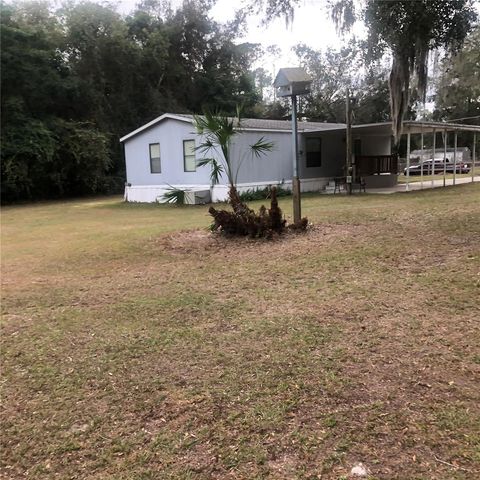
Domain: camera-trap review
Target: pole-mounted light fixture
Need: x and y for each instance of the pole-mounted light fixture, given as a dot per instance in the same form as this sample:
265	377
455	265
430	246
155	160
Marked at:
291	82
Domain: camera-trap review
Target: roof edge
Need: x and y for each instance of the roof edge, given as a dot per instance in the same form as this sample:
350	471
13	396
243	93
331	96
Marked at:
411	124
450	126
154	122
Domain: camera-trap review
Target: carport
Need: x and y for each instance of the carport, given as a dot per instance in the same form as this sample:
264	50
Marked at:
381	170
446	130
373	162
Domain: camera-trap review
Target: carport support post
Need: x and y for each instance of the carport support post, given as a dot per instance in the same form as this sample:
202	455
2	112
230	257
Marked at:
433	157
421	159
408	162
473	155
348	146
445	141
297	208
455	135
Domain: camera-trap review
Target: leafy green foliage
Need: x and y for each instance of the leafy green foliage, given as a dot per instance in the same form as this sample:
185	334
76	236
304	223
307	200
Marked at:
332	71
410	30
82	158
23	151
85	75
458	94
43	154
53	159
216	169
458	89
251	195
261	147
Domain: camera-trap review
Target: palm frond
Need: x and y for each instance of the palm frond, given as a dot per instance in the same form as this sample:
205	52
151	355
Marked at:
174	195
204	161
218	131
216	168
207	145
198	124
216	172
261	147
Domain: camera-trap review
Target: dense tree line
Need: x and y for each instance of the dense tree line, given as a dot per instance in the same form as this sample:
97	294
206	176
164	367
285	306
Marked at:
458	89
75	79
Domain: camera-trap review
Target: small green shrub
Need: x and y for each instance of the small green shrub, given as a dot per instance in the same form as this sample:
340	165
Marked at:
263	193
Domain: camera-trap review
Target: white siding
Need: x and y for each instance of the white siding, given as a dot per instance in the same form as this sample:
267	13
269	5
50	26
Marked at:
278	164
275	166
170	134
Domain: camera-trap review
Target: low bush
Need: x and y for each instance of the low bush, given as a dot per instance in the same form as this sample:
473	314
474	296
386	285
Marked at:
251	195
244	221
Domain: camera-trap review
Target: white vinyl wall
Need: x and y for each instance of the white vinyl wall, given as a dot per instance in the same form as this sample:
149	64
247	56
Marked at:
145	186
170	134
253	173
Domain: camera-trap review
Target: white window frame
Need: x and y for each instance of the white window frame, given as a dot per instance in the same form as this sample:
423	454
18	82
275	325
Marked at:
185	156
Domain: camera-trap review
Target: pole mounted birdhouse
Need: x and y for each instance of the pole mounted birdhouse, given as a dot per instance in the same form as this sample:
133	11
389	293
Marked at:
292	81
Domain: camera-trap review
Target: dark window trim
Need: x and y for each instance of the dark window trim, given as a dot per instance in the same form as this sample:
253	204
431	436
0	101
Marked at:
154	158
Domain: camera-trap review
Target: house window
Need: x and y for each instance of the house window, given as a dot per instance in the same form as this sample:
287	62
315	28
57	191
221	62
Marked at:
189	163
313	149
155	166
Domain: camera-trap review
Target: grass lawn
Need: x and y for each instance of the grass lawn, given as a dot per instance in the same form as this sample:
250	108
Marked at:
136	345
428	178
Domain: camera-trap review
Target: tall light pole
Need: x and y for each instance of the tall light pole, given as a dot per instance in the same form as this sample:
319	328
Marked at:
297	204
291	82
350	168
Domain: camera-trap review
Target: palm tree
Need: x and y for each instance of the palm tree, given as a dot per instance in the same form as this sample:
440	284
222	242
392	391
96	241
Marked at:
218	131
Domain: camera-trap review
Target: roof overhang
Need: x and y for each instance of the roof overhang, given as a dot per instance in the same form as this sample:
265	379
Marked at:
409	126
422	126
189	119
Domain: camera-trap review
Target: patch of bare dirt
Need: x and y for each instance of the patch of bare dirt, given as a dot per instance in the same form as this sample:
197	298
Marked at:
201	241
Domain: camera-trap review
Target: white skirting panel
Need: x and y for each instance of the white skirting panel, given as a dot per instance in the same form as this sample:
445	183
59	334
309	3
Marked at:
219	193
154	193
